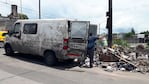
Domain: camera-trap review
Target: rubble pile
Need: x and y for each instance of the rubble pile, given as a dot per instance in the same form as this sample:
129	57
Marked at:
124	59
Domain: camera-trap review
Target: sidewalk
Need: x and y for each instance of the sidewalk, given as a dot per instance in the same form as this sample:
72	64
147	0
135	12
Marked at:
114	74
7	78
120	74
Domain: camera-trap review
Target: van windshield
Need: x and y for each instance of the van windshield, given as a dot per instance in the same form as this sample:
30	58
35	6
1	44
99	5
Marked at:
79	29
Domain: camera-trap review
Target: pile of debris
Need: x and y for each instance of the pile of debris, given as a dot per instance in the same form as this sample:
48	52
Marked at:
124	59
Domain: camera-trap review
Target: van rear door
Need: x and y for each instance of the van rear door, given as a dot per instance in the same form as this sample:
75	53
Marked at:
78	35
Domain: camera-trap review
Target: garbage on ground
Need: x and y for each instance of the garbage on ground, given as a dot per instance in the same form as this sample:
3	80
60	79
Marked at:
123	59
109	69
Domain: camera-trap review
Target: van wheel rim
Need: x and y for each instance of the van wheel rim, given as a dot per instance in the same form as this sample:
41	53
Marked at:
8	50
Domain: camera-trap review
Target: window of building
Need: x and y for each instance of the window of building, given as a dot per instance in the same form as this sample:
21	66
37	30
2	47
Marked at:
30	28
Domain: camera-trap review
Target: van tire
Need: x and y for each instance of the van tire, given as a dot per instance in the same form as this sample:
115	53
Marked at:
50	58
8	50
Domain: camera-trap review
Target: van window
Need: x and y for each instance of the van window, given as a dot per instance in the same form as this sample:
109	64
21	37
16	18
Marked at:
17	28
30	28
78	29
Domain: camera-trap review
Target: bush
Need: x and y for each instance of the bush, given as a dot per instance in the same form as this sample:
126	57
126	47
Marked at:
120	42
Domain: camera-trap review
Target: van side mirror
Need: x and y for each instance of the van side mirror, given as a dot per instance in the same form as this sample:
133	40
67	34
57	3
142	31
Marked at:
9	32
18	35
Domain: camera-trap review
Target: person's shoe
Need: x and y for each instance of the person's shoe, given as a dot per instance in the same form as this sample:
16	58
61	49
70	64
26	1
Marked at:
80	65
91	66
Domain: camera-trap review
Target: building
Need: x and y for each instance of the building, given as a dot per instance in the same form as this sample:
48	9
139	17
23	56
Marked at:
6	22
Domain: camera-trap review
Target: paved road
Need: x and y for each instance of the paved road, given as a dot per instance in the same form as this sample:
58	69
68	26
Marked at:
26	69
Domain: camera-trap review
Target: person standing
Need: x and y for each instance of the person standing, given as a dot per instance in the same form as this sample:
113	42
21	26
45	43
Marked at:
91	48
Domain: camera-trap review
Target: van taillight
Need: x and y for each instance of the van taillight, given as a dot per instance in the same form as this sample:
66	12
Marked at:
65	47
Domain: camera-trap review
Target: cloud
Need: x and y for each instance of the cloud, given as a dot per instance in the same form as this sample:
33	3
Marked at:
78	9
126	13
131	13
4	9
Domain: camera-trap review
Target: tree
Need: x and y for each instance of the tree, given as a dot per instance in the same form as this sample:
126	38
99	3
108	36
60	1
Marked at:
22	16
121	42
133	31
130	34
145	32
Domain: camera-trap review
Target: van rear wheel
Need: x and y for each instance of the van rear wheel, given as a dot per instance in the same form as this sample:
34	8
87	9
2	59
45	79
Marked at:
8	50
50	58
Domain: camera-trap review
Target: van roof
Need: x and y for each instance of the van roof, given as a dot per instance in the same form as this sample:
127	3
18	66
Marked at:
38	20
44	20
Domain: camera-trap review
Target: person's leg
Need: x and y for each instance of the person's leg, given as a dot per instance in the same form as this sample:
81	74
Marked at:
82	62
91	56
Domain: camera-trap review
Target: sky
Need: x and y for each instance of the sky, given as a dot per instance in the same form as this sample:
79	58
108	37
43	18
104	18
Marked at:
127	14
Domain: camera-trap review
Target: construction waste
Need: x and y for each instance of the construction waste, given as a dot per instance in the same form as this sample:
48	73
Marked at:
123	59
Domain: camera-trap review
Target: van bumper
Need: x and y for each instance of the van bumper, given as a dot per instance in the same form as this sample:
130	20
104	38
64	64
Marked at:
77	57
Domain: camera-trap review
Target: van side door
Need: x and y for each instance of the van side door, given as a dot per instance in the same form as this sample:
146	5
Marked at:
30	39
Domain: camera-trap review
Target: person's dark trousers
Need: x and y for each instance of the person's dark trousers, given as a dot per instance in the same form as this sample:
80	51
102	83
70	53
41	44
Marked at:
90	52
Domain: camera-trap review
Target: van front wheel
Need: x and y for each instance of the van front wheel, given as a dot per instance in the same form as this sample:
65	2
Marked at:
8	50
50	58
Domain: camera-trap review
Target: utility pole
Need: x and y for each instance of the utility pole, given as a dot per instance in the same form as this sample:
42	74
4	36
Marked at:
109	24
39	10
21	6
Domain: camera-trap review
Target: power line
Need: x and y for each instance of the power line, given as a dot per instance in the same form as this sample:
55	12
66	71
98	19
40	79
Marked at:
18	6
4	2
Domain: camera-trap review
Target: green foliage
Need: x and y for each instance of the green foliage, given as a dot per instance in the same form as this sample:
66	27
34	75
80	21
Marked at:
145	32
120	42
130	34
22	16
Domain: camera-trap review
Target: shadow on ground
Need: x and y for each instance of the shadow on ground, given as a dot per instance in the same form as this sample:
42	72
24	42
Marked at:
40	61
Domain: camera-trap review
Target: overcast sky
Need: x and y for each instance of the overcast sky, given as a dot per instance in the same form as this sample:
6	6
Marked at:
127	14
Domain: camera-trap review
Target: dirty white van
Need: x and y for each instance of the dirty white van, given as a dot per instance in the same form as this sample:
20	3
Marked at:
53	39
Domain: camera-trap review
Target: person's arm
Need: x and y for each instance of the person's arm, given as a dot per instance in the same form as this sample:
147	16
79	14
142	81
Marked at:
95	38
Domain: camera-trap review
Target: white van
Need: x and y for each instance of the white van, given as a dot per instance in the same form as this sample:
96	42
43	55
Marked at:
53	39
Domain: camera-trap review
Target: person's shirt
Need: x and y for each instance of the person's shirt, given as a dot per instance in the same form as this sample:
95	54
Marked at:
91	42
105	43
